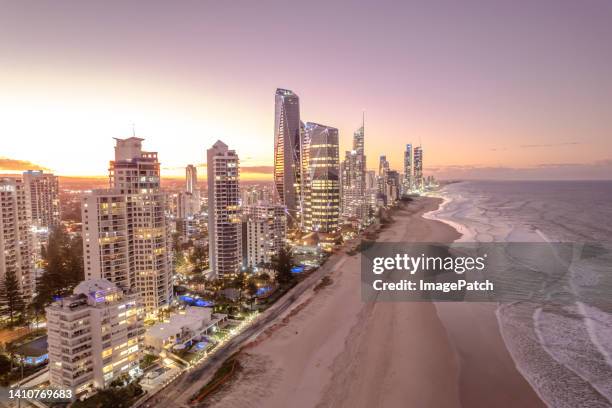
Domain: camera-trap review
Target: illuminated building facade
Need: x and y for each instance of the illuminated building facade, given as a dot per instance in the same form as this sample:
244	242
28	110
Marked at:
126	234
418	168
95	336
16	244
266	229
287	150
322	195
353	178
224	223
408	171
43	189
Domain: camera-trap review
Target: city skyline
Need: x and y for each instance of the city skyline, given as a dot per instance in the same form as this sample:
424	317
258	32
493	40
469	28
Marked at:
523	96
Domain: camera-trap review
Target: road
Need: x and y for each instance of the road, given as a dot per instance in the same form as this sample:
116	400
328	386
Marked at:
178	393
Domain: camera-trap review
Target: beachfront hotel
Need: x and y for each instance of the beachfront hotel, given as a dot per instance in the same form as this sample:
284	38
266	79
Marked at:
224	223
126	235
95	336
16	247
287	150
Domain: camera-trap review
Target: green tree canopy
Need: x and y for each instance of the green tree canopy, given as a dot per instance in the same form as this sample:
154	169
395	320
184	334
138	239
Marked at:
11	296
282	264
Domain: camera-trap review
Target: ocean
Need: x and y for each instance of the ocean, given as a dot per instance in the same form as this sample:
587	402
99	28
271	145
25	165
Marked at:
564	350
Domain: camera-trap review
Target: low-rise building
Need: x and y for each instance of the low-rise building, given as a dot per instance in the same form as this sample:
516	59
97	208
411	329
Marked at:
182	328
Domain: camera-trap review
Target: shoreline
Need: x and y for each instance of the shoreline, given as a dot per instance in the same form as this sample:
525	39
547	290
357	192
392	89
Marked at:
332	349
484	313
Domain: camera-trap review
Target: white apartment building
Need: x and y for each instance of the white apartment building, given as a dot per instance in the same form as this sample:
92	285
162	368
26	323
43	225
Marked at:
95	336
16	252
224	223
106	238
266	230
126	234
44	198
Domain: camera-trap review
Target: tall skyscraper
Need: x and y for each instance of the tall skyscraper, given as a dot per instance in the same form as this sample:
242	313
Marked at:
95	336
287	150
266	229
189	200
191	178
126	235
16	257
407	184
44	198
418	168
224	223
322	195
353	178
383	165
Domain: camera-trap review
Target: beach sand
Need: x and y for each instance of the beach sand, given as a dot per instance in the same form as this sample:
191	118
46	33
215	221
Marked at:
334	350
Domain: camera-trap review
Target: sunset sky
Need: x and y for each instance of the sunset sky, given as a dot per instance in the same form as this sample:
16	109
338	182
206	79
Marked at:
491	89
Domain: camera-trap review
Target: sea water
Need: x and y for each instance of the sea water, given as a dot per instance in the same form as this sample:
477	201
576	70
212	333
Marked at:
564	350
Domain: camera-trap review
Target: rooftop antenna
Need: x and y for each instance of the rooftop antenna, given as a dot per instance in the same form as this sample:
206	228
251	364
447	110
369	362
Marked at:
133	129
363	119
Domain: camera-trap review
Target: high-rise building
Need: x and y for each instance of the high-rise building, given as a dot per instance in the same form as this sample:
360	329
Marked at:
266	229
95	336
392	186
322	195
191	179
188	204
16	252
44	198
383	165
287	150
418	168
224	223
353	178
371	188
254	194
126	234
407	183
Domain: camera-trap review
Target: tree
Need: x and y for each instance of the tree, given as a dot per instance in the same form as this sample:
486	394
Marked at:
11	295
252	291
282	263
63	267
198	258
5	364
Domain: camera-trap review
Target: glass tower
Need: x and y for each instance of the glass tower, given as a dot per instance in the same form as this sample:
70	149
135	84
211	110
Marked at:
287	150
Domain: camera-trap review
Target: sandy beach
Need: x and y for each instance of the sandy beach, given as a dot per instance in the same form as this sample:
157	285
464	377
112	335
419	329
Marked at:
334	350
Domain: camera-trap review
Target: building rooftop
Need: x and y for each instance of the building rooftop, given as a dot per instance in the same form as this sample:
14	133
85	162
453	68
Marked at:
192	315
90	286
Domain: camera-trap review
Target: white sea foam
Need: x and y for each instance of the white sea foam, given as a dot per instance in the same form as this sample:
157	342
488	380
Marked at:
565	353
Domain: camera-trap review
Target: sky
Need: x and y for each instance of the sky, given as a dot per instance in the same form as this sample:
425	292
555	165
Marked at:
490	89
